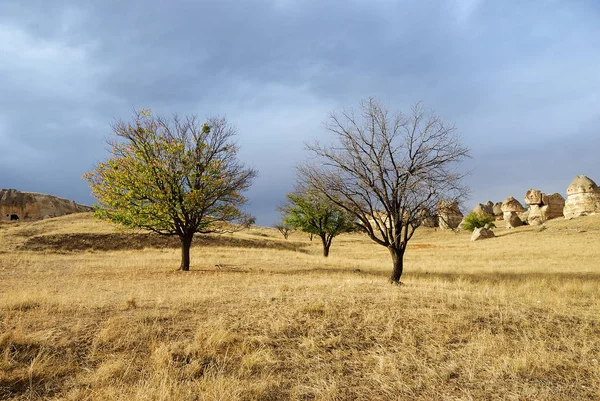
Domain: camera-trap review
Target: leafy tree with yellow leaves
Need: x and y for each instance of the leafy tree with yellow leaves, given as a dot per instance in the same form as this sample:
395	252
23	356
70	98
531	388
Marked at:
173	176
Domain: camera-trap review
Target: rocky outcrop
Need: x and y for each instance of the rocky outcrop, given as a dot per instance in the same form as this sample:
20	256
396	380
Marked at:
510	209
482	233
428	219
497	210
449	215
17	205
486	209
543	207
583	197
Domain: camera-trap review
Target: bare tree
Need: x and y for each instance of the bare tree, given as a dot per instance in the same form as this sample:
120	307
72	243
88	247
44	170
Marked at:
387	169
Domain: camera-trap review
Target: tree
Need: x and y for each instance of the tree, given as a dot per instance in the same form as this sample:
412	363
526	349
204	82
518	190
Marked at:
385	170
173	177
283	229
314	214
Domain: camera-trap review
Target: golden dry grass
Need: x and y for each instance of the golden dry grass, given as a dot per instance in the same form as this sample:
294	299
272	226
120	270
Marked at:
516	317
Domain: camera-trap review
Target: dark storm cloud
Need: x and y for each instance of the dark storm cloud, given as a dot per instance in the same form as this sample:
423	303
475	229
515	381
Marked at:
520	81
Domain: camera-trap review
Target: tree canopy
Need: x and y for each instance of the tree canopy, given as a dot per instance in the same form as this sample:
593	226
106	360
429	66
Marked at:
176	176
313	213
387	169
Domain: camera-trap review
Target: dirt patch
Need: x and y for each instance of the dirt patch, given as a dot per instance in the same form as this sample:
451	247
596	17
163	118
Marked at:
118	241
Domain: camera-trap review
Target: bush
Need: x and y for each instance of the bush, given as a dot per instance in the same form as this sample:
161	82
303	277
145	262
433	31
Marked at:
477	220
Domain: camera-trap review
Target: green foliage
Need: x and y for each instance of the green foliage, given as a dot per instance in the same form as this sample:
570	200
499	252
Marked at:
477	220
311	213
172	176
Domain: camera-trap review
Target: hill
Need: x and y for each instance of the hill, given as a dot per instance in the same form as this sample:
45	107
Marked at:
89	311
17	205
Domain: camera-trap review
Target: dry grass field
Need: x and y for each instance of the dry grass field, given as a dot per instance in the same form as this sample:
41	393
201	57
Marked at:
91	312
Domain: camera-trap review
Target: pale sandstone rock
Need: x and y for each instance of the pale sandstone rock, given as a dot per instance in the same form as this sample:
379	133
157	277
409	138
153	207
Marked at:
533	197
497	210
449	215
583	198
482	233
484	209
543	207
553	206
34	206
524	215
510	208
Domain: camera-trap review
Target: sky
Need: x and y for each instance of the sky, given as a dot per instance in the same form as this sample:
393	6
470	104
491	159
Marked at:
519	80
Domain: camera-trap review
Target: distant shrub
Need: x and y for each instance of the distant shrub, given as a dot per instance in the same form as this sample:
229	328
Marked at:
477	220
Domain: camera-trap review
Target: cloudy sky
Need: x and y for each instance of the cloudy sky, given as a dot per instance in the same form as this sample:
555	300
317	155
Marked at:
520	81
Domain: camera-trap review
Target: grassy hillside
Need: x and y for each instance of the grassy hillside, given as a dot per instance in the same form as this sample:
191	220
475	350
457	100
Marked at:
88	311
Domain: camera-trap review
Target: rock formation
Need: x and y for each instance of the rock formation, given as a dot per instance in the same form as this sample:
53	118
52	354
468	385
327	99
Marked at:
583	197
497	210
449	215
510	208
482	233
543	207
428	219
485	209
16	205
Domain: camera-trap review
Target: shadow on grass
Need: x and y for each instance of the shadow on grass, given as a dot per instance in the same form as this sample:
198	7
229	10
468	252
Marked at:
118	241
493	277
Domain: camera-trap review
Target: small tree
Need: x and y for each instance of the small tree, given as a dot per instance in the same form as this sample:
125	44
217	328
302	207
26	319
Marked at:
173	177
386	169
313	213
284	229
475	220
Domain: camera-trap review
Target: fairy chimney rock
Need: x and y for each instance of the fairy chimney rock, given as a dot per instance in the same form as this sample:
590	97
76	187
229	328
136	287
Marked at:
583	198
497	210
510	208
533	197
543	207
512	205
449	215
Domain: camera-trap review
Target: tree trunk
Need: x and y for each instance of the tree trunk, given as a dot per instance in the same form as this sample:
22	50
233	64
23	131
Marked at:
398	262
186	243
326	245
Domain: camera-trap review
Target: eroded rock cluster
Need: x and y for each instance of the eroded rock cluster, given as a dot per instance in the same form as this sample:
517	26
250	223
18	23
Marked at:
543	207
17	205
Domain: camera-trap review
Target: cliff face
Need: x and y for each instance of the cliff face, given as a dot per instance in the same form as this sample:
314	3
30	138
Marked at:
17	205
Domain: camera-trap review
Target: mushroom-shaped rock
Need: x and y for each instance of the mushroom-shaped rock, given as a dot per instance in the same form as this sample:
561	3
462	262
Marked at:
510	204
533	197
582	184
510	208
583	197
